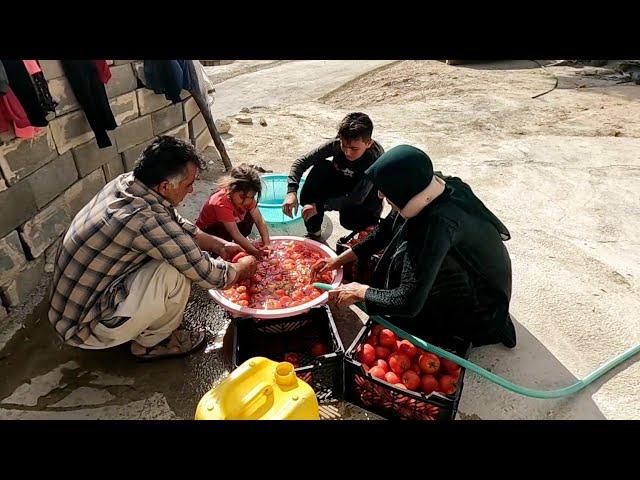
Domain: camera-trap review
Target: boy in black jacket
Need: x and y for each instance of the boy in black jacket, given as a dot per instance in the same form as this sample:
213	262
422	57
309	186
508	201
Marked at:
338	184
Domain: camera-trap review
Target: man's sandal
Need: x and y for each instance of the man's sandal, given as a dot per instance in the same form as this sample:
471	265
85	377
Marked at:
178	344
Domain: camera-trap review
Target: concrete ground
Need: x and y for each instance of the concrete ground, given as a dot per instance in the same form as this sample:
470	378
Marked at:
562	171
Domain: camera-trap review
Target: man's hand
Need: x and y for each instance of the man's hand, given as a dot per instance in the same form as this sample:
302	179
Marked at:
309	211
230	250
348	294
290	204
245	268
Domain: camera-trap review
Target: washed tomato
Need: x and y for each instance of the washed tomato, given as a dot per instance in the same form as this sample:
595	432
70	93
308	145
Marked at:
399	363
292	358
367	354
318	349
429	363
372	340
382	352
449	366
387	338
408	348
377	372
411	380
392	378
429	383
383	365
448	384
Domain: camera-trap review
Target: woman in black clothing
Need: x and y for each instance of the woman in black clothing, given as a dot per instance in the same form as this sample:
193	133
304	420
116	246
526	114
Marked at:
445	271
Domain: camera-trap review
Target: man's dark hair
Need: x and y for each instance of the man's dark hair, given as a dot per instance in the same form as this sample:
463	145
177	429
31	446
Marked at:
356	126
164	159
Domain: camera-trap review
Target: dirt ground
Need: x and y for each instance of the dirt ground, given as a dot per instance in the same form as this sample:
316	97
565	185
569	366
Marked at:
562	171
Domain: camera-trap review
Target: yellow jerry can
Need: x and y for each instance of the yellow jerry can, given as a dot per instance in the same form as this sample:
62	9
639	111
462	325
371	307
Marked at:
260	389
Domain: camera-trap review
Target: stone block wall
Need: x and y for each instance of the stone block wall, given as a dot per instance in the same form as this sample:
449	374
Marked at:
46	180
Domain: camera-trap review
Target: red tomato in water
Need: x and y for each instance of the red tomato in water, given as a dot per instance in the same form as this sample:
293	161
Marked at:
238	256
372	340
429	363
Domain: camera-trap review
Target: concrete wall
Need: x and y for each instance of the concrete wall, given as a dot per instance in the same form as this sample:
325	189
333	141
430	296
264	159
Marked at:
46	180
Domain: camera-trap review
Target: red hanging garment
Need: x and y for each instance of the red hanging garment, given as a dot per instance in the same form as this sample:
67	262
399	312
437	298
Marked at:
104	73
11	111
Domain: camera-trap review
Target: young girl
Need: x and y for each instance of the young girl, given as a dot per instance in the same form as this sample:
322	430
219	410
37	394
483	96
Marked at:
232	210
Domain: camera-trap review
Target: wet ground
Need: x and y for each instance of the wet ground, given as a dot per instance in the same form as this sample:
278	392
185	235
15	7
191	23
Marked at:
45	380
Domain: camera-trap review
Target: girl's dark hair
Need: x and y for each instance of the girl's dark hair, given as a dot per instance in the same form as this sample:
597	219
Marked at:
164	159
242	178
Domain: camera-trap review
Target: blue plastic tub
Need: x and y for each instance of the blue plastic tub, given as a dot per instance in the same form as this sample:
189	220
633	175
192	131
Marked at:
274	190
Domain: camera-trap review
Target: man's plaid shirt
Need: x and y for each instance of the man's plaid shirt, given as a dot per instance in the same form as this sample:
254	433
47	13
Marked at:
125	225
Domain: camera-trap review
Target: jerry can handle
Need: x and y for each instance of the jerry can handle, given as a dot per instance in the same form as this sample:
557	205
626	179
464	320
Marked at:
263	389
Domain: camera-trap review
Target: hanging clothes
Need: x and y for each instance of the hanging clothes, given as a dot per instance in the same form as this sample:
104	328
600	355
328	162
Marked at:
4	81
40	83
12	114
25	91
102	67
168	77
92	96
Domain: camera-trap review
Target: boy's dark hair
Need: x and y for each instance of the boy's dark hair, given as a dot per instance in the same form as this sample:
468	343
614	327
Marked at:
242	178
356	126
164	159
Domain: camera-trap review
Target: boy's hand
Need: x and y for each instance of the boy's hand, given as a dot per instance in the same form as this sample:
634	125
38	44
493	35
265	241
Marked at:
309	211
290	204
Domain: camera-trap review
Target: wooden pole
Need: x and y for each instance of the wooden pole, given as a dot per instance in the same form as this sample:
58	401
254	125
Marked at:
208	118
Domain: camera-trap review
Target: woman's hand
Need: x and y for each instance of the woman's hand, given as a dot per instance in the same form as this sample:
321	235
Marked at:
348	294
324	265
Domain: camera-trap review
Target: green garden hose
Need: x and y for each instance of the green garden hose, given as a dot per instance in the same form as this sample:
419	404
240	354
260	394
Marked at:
506	384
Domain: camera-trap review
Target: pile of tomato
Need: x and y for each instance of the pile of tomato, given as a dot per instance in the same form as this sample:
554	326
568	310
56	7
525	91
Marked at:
405	366
283	278
360	236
